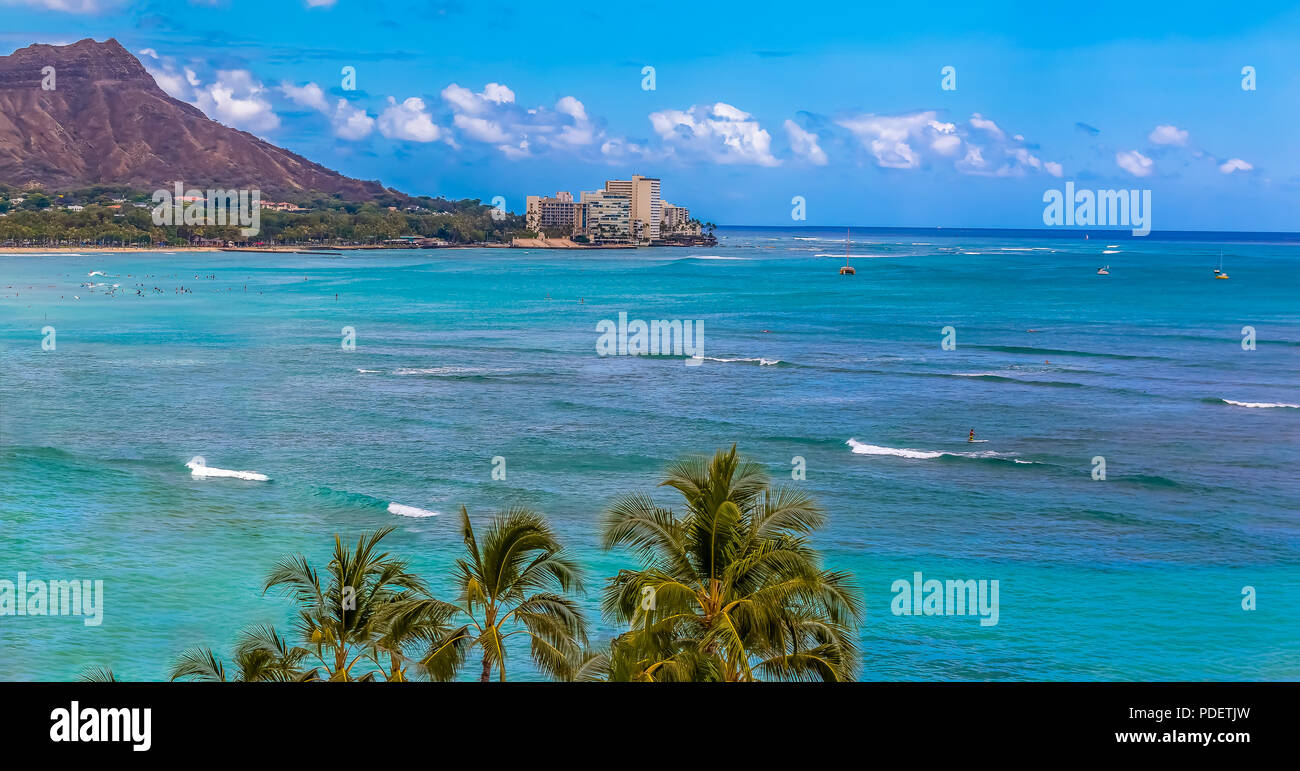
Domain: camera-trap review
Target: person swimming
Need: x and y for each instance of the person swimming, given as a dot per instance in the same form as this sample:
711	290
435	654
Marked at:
971	438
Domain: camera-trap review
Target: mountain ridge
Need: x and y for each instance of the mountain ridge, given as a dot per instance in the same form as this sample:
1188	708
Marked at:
107	122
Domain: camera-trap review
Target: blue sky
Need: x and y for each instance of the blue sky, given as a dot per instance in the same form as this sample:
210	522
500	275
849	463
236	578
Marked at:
753	103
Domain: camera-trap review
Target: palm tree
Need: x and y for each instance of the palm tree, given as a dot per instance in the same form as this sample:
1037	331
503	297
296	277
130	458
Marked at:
367	607
98	675
644	656
730	588
513	583
261	654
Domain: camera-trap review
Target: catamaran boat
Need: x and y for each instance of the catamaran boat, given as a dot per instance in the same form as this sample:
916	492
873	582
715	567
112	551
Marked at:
847	270
1218	272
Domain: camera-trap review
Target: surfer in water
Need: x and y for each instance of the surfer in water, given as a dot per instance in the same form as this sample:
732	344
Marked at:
971	438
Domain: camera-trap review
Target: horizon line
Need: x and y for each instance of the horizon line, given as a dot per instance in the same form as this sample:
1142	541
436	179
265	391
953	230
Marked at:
1044	232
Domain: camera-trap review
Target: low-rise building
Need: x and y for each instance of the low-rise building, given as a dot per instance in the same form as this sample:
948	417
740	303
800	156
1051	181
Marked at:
676	219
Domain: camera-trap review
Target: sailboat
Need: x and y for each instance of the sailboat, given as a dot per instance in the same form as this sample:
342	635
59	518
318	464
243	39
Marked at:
1218	272
847	270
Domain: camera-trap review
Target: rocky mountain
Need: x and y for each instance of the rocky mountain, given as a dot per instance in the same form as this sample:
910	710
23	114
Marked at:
108	122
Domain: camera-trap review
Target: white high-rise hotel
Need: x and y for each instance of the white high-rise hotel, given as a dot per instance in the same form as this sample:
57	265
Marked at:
625	211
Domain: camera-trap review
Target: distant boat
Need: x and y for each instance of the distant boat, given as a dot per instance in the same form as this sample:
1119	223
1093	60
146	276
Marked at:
847	270
1218	272
1103	271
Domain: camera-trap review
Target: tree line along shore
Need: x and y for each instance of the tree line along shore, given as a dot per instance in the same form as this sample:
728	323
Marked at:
107	216
121	218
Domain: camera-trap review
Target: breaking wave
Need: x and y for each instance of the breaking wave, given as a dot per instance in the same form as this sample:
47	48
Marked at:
862	448
199	469
751	360
403	510
1261	405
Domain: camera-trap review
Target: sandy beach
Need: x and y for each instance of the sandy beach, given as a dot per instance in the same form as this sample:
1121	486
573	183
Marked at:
115	249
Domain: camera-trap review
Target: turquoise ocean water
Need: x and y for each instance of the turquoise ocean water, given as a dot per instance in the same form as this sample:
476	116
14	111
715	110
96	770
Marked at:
464	355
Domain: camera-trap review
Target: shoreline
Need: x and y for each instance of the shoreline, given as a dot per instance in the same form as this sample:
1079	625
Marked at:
16	250
522	244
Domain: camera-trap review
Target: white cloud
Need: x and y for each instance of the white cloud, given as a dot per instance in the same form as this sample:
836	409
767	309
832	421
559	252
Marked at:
977	146
69	6
1053	168
1168	135
497	94
1135	163
890	137
351	122
462	100
974	162
480	129
719	132
581	131
621	149
804	143
310	95
236	99
984	124
408	120
1024	158
515	152
492	117
321	3
173	83
947	142
1234	164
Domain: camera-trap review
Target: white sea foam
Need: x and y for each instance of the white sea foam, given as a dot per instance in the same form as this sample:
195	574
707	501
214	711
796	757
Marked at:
435	371
199	469
1110	251
759	361
367	371
857	256
1261	405
94	273
862	448
403	510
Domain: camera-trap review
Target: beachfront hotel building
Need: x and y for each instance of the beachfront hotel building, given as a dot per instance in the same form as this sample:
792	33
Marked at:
626	211
609	217
674	219
560	213
647	207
